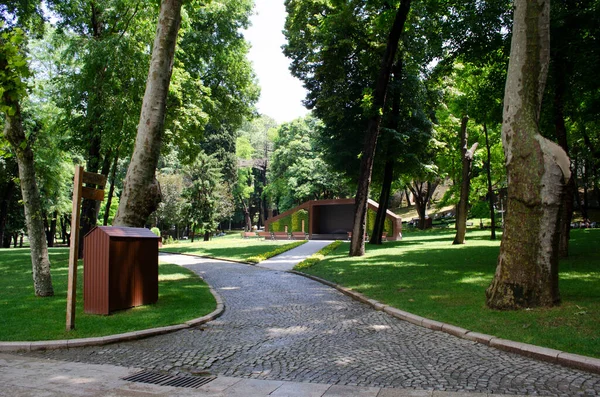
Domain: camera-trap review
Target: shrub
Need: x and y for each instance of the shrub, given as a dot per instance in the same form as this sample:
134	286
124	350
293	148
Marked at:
156	231
318	257
276	251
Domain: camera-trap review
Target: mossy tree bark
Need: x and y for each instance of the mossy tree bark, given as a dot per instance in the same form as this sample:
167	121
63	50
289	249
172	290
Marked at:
141	192
527	270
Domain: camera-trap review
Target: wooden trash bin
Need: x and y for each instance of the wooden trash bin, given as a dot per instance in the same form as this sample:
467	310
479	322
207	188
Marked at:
120	269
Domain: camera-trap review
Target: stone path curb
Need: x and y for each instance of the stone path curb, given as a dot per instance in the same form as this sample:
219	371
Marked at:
541	353
6	347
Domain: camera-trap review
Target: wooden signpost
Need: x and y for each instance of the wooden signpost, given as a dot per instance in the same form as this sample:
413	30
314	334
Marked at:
79	192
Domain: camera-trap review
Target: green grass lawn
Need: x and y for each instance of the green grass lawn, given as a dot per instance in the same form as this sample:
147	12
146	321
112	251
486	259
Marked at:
182	296
234	247
426	275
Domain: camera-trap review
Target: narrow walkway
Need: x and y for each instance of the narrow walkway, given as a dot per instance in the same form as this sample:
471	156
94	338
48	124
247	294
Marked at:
291	258
278	326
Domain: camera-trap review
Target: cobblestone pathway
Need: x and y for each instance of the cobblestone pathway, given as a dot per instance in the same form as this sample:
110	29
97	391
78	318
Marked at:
282	326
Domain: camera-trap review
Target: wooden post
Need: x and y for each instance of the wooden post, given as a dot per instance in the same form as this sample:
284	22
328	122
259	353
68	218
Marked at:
79	192
73	253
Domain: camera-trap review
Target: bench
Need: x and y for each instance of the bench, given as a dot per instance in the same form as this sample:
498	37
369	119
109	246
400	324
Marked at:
280	236
299	236
469	223
266	235
248	234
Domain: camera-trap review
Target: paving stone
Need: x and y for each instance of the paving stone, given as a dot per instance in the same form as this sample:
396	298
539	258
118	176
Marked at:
279	326
404	393
348	391
300	390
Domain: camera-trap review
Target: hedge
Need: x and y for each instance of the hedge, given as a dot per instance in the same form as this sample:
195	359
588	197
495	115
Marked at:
292	221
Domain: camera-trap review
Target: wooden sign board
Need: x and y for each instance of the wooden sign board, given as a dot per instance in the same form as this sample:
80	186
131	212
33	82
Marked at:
79	192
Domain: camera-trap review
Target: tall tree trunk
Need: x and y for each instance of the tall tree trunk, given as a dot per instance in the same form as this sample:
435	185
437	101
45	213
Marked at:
7	194
388	173
357	244
407	194
14	133
561	135
491	195
111	190
465	185
527	271
141	192
52	229
384	202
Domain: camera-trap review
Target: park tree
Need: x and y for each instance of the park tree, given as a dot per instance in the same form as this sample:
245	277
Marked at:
467	156
298	172
201	194
527	270
100	51
228	88
256	138
141	192
14	72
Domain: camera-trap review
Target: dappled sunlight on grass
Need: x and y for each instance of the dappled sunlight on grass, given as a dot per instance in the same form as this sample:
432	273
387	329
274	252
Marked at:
182	297
425	274
173	277
480	279
590	277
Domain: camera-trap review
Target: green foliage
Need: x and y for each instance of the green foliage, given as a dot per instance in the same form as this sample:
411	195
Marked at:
275	252
156	231
387	226
183	296
204	177
297	171
14	69
297	218
318	256
293	222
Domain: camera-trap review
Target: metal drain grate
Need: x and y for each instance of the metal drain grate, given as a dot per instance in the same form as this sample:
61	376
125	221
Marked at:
156	378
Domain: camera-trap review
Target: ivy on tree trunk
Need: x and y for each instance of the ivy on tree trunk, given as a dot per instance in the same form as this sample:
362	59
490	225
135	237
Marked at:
527	270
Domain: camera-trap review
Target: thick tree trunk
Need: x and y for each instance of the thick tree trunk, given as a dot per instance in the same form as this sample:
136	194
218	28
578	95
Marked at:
384	202
13	131
527	271
357	244
141	192
465	185
491	195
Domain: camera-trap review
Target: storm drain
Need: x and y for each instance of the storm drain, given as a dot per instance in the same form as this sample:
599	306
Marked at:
156	378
